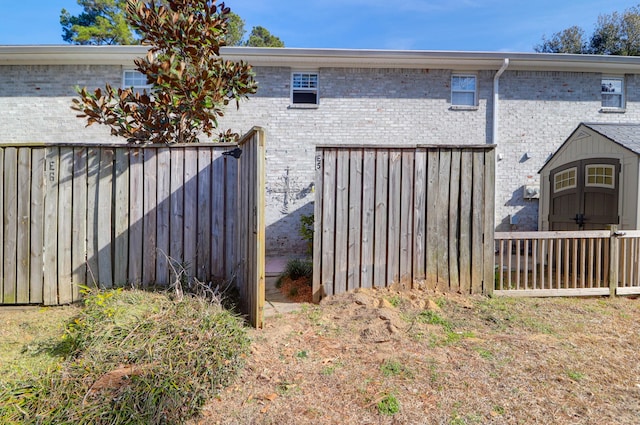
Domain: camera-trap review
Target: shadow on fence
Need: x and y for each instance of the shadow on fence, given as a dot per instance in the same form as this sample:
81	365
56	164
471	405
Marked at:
114	215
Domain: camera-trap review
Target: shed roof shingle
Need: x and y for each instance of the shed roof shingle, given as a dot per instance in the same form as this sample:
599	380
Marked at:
626	135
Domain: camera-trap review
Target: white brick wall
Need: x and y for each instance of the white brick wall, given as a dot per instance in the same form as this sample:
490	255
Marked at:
538	111
35	102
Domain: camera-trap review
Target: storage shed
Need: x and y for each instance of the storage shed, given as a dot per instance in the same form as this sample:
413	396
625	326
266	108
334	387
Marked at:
591	181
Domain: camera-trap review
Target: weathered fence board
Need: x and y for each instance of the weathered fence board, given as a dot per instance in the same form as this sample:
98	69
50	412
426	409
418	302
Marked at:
419	220
22	247
36	260
150	217
419	214
453	220
190	194
465	214
121	219
328	221
104	217
406	218
65	208
204	235
230	228
177	204
368	213
342	227
220	216
163	217
394	227
10	223
381	179
355	221
136	213
79	222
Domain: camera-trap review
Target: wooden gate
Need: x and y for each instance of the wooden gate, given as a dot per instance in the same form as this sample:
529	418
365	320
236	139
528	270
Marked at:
410	216
113	215
251	226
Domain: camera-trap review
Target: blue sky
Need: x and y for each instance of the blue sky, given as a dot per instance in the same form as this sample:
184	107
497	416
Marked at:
478	25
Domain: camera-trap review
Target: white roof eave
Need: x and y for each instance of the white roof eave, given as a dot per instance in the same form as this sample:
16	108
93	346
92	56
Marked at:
331	58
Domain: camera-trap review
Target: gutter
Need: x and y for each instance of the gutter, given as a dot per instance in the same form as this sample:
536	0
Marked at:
328	58
496	100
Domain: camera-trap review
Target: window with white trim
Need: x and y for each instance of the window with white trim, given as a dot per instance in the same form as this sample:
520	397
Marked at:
600	175
612	92
304	88
565	179
463	90
136	80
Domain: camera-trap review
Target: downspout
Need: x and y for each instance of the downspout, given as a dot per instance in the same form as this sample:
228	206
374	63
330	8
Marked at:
496	100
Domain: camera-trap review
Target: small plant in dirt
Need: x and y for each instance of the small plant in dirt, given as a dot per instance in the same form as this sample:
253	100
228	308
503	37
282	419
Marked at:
451	337
432	318
330	370
395	368
395	300
574	375
484	353
287	388
389	405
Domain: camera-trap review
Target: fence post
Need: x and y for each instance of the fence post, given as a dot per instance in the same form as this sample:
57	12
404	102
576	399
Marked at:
614	263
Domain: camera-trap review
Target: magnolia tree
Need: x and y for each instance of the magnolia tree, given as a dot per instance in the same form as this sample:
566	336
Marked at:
191	83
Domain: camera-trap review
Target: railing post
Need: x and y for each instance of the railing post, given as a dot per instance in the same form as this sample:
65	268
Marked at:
614	247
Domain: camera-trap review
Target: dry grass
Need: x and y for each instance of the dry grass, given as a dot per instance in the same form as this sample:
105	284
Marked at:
383	357
25	335
129	357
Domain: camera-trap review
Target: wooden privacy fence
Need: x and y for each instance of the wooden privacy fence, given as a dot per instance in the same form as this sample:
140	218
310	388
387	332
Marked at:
598	262
112	215
412	216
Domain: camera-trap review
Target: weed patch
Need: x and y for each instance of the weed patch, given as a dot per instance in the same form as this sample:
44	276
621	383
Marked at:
133	357
389	405
395	368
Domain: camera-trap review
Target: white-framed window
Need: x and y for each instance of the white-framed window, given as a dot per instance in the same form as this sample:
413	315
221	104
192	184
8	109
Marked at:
565	179
137	80
463	90
304	88
600	175
612	92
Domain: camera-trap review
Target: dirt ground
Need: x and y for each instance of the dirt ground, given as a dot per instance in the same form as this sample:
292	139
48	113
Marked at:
386	357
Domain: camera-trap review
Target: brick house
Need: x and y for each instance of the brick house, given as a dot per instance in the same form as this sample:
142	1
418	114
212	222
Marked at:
525	103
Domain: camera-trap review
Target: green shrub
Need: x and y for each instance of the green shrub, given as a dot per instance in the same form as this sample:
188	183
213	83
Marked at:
306	231
297	268
173	357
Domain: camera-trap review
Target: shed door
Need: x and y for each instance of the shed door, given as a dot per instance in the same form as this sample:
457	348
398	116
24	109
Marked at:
584	195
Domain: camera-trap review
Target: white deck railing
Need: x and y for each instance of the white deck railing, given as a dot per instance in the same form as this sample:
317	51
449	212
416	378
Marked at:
599	262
